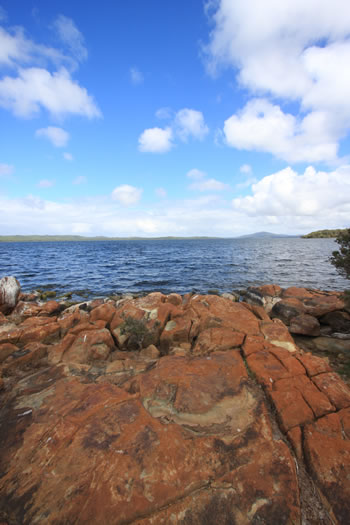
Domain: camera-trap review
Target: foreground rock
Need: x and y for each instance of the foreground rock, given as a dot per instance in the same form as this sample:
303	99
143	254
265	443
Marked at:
157	410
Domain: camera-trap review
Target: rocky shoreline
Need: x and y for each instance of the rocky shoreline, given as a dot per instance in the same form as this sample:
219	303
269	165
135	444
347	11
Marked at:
175	409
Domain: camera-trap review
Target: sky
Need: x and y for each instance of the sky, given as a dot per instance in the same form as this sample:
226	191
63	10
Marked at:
182	118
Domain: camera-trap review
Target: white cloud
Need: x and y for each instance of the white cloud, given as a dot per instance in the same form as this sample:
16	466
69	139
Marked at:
68	156
286	193
57	136
186	123
202	183
79	180
209	185
294	50
246	169
156	140
190	123
136	76
196	174
161	192
127	195
262	126
71	37
46	183
281	203
37	88
6	169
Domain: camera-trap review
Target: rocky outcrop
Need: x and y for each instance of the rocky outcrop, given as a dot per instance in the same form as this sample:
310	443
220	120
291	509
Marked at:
9	294
167	409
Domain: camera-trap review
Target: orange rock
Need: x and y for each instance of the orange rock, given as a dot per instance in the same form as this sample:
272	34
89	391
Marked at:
294	367
328	454
6	349
271	289
318	402
318	306
174	298
291	408
334	388
277	334
299	293
47	333
31	354
196	441
9	333
55	352
37	321
69	320
267	368
88	346
313	364
103	312
216	339
254	343
51	307
175	332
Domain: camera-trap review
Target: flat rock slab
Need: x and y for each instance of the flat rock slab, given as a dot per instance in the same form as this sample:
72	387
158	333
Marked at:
221	420
194	442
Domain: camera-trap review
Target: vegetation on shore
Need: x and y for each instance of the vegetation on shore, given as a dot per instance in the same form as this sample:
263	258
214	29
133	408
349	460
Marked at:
323	234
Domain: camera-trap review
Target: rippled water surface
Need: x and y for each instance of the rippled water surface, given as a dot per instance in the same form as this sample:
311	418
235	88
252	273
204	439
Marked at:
108	267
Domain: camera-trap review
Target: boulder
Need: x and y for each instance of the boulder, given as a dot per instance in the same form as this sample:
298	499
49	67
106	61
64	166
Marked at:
338	320
286	309
304	324
10	290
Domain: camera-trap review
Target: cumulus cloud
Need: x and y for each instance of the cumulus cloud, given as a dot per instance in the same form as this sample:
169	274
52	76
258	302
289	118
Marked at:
6	169
190	123
287	193
41	75
156	140
57	136
36	88
281	202
186	123
68	156
46	183
297	51
136	76
71	37
263	126
127	195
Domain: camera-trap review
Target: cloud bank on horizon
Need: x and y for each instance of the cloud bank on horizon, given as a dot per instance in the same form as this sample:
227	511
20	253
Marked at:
243	125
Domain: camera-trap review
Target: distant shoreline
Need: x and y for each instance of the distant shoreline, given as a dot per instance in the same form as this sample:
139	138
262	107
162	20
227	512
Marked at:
80	238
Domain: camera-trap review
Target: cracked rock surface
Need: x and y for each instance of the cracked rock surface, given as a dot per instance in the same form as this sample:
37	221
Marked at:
206	412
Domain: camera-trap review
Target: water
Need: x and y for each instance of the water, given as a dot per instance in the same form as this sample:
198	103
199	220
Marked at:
110	267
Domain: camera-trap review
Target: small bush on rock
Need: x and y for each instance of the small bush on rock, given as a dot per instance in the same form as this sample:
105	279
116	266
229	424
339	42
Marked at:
139	335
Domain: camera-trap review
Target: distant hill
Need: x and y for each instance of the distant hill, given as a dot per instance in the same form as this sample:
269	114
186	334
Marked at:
266	235
322	234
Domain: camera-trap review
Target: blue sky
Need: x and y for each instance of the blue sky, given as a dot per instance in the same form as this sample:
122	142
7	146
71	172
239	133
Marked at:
174	118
